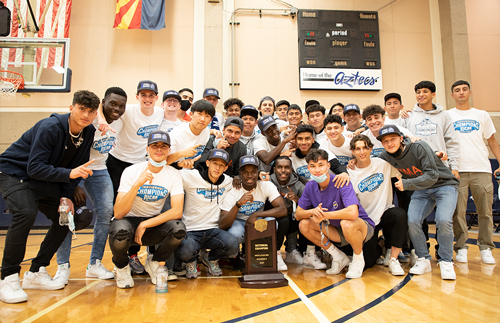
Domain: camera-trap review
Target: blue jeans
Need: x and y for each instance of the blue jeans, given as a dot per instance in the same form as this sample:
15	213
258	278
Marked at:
99	190
221	243
421	205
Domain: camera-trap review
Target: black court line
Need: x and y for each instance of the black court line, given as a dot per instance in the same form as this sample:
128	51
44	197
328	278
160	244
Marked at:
377	301
273	308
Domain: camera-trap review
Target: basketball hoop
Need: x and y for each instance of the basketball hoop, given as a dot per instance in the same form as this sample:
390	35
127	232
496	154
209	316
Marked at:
10	82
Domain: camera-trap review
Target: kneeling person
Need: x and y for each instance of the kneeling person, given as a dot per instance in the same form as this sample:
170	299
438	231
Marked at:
137	212
205	189
330	214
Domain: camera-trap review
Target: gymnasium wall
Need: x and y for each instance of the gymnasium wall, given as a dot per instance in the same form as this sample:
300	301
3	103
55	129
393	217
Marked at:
266	54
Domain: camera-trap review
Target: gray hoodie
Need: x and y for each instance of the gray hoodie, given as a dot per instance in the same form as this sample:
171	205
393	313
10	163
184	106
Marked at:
420	167
435	127
248	141
295	186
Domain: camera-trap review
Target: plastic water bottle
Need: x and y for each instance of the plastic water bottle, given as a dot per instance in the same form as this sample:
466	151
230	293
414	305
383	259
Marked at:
161	278
63	212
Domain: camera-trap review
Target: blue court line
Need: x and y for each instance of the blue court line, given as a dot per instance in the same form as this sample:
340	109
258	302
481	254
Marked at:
377	301
273	308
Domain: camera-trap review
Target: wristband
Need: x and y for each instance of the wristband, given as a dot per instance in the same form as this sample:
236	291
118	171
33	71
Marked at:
238	204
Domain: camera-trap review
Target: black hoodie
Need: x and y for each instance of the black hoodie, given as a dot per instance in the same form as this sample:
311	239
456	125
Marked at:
203	170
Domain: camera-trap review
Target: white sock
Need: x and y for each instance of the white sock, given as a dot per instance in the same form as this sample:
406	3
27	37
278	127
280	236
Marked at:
332	250
311	249
358	258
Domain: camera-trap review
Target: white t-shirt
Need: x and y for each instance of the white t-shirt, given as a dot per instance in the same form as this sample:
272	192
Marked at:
397	122
264	191
133	138
103	144
321	136
202	200
281	123
343	153
378	148
299	165
182	137
373	188
167	125
261	143
217	122
471	126
151	196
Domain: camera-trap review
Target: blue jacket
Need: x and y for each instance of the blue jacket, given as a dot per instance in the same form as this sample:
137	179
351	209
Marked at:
39	152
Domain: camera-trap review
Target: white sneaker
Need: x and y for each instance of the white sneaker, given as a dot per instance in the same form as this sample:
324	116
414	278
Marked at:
41	280
281	264
311	260
62	274
487	257
387	257
171	274
355	269
421	267
413	257
461	255
294	257
98	271
395	267
151	267
447	271
11	290
338	263
124	277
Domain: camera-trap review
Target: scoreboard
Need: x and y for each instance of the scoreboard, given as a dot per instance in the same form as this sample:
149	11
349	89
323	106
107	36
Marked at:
339	50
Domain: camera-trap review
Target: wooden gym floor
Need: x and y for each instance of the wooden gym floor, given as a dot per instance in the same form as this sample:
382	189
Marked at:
311	296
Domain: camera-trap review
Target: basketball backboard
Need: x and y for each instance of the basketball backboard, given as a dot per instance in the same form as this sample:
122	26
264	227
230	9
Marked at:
43	62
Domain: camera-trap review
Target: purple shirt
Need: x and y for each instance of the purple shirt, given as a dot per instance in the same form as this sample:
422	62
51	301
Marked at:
333	199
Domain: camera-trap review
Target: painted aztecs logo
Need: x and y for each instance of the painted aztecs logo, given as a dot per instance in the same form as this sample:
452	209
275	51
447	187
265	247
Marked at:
371	183
145	131
210	194
248	208
152	193
466	126
104	145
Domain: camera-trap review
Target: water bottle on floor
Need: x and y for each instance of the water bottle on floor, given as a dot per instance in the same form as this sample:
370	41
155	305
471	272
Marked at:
161	278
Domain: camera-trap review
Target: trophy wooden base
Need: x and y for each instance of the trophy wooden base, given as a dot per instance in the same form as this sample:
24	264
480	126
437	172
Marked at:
270	280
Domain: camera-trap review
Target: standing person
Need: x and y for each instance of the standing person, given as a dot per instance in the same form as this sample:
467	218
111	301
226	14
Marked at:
434	186
189	139
233	106
353	124
393	106
205	188
246	205
316	116
137	212
270	146
471	125
328	214
139	120
294	117
212	95
336	143
267	106
290	187
338	109
230	143
281	110
99	189
171	104
250	115
37	172
371	179
187	97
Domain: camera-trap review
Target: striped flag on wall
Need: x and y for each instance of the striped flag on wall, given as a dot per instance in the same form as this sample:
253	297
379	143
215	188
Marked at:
58	15
140	14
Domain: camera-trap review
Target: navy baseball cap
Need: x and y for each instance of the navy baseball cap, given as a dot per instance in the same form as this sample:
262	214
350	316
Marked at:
209	91
83	218
158	136
147	85
249	160
234	121
219	154
392	95
352	107
249	110
265	122
171	94
389	129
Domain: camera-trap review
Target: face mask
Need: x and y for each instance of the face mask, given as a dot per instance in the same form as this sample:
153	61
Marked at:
185	105
319	179
157	164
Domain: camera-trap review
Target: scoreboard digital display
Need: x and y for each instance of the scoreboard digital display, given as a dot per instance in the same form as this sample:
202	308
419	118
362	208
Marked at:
339	50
